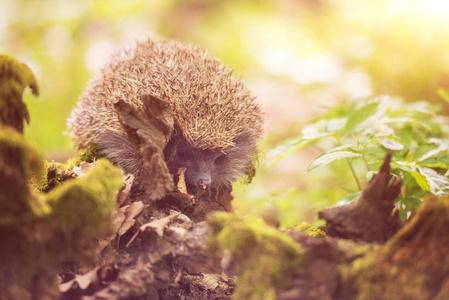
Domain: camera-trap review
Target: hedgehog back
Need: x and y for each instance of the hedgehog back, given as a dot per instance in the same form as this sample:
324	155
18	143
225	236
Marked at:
210	106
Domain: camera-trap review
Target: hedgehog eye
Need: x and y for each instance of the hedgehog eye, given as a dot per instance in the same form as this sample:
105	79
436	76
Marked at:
184	156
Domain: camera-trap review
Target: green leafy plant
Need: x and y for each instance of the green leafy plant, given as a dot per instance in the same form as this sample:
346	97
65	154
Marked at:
365	130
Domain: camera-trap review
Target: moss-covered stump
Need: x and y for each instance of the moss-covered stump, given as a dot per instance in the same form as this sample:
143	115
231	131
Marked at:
414	264
42	233
14	78
370	218
263	258
55	174
19	161
411	265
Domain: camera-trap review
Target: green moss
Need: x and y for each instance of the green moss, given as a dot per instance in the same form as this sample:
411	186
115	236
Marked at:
85	202
53	172
310	230
70	217
39	232
247	178
14	78
50	177
19	72
411	265
262	256
19	161
88	155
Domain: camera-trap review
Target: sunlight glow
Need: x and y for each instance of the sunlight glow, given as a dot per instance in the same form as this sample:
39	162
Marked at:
438	8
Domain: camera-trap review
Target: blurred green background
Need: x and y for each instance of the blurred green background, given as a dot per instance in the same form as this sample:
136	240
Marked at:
300	57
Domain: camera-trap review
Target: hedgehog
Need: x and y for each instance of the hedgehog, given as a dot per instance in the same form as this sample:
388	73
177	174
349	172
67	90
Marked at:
217	121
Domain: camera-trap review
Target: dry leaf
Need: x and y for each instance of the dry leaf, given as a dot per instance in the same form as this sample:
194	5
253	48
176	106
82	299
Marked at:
83	281
182	187
224	276
83	168
132	211
183	197
123	195
122	220
157	225
90	282
118	217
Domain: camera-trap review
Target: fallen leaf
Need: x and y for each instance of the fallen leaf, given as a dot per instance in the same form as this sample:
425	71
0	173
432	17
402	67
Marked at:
83	168
183	197
122	220
83	281
132	211
123	195
157	225
224	276
90	282
182	187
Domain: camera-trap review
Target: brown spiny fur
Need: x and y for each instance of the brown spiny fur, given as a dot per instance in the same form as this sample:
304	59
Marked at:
217	121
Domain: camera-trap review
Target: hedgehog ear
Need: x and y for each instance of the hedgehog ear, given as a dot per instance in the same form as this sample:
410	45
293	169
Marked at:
244	140
239	158
244	148
247	145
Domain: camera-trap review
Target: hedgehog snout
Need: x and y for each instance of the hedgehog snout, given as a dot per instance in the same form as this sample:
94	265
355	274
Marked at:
199	179
204	183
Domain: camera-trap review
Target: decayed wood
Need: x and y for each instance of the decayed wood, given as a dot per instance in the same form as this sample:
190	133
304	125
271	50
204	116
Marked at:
371	218
367	255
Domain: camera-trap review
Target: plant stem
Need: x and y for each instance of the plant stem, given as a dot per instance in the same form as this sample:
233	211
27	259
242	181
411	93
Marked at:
353	174
366	163
350	166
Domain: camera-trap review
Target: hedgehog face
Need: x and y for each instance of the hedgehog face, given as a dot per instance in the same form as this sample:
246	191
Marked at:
200	167
206	168
200	164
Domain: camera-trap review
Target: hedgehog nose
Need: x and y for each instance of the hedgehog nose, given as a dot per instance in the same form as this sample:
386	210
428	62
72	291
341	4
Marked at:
204	183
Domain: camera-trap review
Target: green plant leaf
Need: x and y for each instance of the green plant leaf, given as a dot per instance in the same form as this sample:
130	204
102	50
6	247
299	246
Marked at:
442	148
440	165
390	142
327	158
438	184
407	203
287	147
369	175
408	168
333	126
350	148
351	197
365	140
404	212
310	134
362	114
421	181
404	120
374	155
